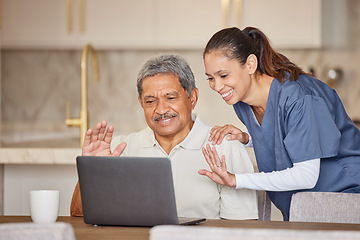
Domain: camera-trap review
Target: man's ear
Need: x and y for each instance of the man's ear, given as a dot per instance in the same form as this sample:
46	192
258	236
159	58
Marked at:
194	96
251	63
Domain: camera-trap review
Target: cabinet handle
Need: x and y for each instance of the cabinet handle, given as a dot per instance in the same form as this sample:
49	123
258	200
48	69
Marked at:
82	15
225	10
238	5
69	5
0	14
231	12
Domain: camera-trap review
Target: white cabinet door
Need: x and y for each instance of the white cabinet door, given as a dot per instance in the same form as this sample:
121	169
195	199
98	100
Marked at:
33	23
187	23
165	24
287	23
110	23
119	23
107	23
150	24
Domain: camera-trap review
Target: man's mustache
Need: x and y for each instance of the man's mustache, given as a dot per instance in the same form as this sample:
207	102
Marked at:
163	116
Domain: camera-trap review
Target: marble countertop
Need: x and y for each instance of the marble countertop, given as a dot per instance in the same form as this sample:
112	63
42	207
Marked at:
39	155
38	143
45	143
39	134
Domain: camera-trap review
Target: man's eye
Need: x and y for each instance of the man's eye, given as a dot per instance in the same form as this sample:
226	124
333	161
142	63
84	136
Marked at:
149	101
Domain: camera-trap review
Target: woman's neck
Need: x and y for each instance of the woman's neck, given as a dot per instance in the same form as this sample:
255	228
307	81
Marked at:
259	96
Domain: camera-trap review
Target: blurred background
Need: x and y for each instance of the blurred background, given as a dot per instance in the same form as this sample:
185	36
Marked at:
42	44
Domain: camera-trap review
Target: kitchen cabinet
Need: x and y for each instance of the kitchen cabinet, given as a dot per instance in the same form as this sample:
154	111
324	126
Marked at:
299	23
118	23
110	23
295	23
44	23
34	23
165	24
186	23
151	23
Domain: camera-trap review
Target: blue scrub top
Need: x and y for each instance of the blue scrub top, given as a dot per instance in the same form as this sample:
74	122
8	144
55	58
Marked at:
304	120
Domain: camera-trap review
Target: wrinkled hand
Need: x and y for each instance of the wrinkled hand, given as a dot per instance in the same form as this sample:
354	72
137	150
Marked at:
219	173
97	141
218	133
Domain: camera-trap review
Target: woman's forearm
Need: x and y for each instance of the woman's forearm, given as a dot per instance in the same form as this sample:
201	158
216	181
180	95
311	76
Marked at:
303	175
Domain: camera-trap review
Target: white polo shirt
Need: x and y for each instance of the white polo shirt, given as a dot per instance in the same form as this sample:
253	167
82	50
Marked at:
197	195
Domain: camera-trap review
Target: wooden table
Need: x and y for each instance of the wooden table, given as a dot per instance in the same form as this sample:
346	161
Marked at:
84	231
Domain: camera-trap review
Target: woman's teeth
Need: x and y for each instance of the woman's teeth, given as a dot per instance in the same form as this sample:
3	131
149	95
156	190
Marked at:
227	94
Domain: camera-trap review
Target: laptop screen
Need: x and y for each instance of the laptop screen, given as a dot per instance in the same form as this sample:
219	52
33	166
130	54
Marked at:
127	191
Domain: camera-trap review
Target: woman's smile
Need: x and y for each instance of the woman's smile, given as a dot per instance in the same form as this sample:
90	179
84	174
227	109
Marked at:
227	95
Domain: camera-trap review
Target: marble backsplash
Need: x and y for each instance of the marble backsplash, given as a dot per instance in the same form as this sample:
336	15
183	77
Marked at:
36	84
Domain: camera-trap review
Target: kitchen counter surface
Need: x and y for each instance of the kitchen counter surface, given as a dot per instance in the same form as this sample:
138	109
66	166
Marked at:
38	143
39	155
43	143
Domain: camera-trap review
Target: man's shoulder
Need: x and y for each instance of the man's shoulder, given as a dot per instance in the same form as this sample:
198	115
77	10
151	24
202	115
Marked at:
142	133
134	137
230	145
225	144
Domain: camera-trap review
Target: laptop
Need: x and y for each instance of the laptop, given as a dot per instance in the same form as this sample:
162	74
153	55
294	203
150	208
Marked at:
128	191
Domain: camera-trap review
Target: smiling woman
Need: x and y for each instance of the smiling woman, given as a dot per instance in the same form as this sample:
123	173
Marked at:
295	122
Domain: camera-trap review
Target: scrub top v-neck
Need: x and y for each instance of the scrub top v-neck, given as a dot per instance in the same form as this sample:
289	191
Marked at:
304	120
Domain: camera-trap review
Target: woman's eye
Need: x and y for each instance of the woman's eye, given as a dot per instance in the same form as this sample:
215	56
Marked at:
210	79
224	76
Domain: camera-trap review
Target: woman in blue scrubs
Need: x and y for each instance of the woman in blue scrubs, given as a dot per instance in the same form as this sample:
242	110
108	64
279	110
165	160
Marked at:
302	137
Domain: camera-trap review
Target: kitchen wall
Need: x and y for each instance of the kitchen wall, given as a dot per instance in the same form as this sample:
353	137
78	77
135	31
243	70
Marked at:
37	83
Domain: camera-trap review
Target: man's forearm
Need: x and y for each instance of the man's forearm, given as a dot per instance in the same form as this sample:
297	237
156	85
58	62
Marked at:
76	206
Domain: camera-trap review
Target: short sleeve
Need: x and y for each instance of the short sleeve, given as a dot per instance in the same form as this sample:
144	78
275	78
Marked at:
242	203
310	130
116	141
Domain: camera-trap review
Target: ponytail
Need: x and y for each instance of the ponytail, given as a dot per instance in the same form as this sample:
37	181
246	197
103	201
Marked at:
237	44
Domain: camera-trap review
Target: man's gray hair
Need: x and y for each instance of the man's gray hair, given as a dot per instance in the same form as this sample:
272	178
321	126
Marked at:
167	64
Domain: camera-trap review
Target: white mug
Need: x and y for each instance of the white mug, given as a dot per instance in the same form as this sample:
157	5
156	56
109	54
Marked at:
44	206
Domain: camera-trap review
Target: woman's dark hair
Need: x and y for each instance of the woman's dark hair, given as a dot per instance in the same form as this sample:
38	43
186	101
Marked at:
237	44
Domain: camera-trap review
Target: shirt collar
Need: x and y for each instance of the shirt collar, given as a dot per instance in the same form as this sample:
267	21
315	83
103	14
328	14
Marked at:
194	140
148	139
197	135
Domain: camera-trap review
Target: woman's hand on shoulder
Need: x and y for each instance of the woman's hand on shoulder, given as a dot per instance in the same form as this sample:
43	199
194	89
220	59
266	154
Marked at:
218	133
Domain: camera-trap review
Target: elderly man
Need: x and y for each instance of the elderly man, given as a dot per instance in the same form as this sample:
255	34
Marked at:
168	95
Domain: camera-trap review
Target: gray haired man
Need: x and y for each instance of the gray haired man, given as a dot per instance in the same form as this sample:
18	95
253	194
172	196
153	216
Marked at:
168	95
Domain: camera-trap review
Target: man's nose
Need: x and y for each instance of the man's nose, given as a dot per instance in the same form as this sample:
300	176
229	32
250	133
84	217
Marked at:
162	107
